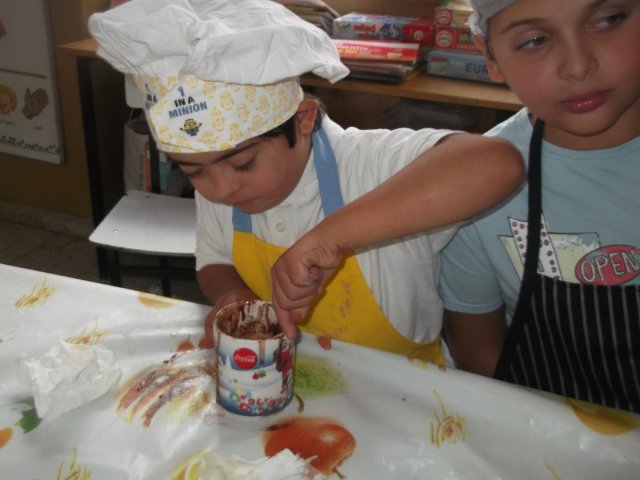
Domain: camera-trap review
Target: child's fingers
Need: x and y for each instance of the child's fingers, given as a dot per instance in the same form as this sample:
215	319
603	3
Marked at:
293	284
313	277
293	299
291	293
286	321
300	276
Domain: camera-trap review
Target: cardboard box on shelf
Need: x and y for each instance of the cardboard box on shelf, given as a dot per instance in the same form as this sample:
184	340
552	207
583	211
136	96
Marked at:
365	26
379	60
419	31
464	65
453	13
451	38
376	50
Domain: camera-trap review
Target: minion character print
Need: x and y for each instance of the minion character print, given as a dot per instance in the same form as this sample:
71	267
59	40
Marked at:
191	127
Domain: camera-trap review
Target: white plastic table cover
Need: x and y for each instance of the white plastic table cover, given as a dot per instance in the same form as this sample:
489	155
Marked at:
365	414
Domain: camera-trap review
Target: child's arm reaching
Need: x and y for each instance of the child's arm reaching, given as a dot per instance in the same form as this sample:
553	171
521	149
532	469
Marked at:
462	176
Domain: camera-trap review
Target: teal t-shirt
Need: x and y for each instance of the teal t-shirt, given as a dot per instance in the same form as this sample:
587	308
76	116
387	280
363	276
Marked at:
590	232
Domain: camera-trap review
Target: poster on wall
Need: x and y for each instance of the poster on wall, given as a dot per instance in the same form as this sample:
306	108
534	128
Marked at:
29	125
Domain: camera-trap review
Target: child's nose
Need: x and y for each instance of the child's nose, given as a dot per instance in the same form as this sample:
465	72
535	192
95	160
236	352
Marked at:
578	61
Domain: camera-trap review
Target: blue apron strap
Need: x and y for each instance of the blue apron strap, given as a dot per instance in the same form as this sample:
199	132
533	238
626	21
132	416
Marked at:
241	221
328	182
327	171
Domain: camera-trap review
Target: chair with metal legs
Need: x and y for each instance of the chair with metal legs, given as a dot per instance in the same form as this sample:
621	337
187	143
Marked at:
161	227
151	224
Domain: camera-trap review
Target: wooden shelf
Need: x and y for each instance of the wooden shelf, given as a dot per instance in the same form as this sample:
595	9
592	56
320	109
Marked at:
419	87
431	88
81	48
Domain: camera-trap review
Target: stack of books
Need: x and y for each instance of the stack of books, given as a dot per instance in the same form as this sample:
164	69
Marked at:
380	60
382	47
313	11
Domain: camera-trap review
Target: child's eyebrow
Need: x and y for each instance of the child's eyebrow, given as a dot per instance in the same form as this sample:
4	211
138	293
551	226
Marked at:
534	20
519	23
236	151
228	154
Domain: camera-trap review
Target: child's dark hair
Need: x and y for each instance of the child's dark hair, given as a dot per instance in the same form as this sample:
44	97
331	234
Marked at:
288	128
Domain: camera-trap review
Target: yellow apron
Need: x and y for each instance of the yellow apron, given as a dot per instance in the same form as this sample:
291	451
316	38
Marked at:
347	310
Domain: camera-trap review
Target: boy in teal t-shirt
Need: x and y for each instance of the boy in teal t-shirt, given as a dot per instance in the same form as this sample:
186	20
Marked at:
568	320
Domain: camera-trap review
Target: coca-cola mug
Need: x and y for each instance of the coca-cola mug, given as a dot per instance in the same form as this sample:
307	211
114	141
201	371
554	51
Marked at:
254	359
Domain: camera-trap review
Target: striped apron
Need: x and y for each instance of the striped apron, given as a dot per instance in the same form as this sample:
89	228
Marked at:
575	340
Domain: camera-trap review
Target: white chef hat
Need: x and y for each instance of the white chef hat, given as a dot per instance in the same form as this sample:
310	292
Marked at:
483	10
214	73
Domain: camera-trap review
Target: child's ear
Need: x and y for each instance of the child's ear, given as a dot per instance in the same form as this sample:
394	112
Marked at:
495	73
306	115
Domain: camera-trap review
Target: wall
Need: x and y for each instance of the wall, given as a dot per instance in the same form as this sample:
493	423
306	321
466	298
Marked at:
61	188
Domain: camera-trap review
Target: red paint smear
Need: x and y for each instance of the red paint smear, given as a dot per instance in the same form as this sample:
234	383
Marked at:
324	342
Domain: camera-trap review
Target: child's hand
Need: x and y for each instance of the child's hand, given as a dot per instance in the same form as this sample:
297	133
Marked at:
293	301
229	297
298	277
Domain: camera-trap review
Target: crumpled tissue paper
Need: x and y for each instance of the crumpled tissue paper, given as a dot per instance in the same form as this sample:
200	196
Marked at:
70	375
283	465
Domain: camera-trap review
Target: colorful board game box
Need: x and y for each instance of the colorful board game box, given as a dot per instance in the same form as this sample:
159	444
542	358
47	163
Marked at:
450	38
365	26
453	13
449	63
378	51
419	31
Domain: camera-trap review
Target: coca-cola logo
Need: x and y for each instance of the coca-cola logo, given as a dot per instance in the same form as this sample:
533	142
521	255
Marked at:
245	358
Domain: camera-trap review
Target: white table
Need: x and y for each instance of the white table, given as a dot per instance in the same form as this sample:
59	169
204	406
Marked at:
407	419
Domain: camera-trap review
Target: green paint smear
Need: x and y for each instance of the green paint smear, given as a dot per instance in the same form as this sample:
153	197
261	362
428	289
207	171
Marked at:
30	419
315	378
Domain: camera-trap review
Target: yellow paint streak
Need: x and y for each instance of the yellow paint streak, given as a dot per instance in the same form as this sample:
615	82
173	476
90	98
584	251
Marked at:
448	427
416	362
88	338
39	294
604	420
156	301
189	469
75	471
553	473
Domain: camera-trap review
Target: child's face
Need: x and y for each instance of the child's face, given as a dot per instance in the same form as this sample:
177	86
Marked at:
573	63
257	174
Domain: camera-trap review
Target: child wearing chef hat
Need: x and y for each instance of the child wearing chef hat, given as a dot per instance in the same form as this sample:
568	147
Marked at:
223	98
